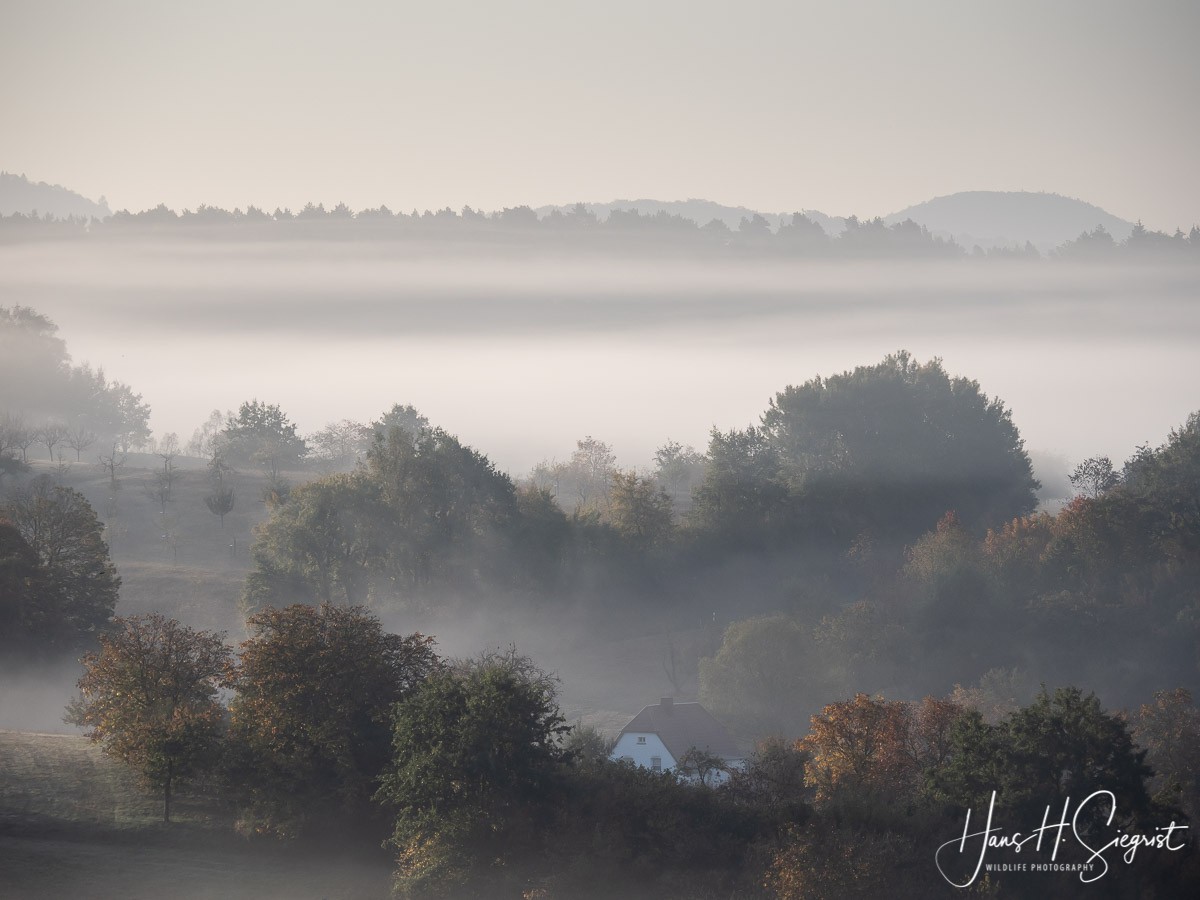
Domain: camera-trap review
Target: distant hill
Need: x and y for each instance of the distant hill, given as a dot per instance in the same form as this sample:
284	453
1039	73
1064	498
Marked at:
1000	219
20	195
701	212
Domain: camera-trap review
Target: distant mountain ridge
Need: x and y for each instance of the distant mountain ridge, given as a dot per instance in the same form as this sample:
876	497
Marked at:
20	195
984	218
987	218
1004	218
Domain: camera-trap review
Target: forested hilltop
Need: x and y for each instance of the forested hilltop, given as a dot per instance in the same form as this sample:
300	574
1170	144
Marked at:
627	231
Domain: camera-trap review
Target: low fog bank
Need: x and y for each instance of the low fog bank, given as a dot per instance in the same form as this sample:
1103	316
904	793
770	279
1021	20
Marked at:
522	356
608	666
34	697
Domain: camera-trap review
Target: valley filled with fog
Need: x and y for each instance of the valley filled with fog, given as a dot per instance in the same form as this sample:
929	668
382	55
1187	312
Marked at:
574	451
523	354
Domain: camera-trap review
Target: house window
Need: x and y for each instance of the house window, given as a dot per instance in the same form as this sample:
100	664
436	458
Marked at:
642	739
656	763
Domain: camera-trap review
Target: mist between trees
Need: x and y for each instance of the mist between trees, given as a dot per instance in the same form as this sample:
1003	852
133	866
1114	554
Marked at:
875	536
888	514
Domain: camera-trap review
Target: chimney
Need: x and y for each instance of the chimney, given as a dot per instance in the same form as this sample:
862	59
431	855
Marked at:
666	704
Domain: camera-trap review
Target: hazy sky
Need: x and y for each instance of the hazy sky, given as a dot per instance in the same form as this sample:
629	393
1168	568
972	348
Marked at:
861	107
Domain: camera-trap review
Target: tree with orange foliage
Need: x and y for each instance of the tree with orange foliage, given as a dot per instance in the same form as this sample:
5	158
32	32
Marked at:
150	699
876	750
1169	731
858	746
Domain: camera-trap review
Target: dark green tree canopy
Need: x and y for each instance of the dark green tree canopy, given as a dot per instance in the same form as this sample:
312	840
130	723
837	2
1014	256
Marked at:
25	616
1062	745
261	434
742	494
326	544
476	749
448	506
310	721
71	592
427	513
1165	484
890	448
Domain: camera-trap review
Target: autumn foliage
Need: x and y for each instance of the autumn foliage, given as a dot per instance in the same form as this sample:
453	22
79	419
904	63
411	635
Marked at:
873	750
149	698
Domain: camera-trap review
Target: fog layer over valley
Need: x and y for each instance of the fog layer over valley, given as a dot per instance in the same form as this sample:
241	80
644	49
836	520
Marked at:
521	355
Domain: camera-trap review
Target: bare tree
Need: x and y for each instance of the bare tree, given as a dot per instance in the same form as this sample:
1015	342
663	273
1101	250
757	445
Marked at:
157	489
702	766
1094	476
339	445
592	464
110	464
10	427
207	440
52	434
80	439
170	536
25	438
167	450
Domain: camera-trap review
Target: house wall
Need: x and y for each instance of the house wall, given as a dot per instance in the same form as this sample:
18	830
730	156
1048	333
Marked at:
628	746
718	778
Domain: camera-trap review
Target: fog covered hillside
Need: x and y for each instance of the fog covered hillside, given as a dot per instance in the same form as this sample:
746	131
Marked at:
20	195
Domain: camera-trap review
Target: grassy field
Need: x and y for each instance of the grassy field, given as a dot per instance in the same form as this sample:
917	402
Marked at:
174	557
76	824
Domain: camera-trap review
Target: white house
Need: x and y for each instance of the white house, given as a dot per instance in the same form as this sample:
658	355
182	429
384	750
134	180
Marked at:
658	737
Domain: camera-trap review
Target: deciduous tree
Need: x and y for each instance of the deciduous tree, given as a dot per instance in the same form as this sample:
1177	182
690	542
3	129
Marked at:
310	720
1094	476
474	752
263	435
1062	745
149	698
1168	729
639	509
79	581
890	448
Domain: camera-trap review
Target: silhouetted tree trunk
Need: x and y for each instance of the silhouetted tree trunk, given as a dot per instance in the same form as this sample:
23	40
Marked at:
167	794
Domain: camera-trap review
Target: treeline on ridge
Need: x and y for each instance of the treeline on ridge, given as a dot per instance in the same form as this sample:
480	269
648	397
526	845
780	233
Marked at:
623	230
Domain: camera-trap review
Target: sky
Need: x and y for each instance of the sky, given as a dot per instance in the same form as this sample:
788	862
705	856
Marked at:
852	107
